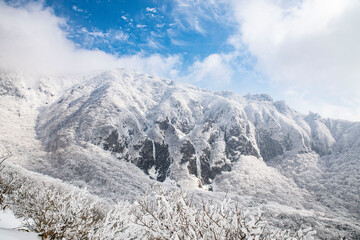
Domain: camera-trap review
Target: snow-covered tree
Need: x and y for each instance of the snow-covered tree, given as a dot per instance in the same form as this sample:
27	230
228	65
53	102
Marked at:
57	211
117	224
4	183
173	215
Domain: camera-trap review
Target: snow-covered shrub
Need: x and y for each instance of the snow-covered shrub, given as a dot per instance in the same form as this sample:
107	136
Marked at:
306	234
56	214
5	186
57	211
116	225
52	210
172	215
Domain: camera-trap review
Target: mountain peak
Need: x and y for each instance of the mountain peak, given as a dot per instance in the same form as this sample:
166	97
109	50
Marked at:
118	132
259	97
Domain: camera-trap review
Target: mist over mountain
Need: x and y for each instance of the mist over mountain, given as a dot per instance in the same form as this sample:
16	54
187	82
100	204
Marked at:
119	132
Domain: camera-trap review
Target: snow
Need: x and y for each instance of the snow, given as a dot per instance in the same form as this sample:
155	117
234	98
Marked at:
10	234
57	126
152	173
154	150
8	220
9	225
251	176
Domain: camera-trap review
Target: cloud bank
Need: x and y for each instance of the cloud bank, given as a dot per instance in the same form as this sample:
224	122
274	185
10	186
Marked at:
309	48
32	39
307	51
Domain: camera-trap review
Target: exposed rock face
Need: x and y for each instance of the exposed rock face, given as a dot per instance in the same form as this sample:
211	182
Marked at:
205	166
188	151
269	147
322	140
238	144
161	163
7	88
112	143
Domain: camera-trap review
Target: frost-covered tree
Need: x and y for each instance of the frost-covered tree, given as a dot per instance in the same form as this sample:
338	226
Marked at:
54	211
57	211
117	224
172	215
4	182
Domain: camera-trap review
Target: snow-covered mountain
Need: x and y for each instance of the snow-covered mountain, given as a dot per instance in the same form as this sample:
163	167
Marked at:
119	132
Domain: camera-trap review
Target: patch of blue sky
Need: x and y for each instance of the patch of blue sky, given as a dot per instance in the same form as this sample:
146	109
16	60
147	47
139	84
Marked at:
146	27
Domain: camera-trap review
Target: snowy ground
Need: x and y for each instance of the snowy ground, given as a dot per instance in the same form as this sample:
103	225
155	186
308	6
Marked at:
298	185
9	226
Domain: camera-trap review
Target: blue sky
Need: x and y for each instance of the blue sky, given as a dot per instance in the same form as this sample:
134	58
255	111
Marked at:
132	26
303	51
189	29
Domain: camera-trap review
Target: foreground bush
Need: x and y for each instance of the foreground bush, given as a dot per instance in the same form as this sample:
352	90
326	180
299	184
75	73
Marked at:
52	210
56	212
173	215
5	184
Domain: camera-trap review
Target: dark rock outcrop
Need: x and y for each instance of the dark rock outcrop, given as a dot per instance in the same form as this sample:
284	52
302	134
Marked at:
188	151
269	148
112	143
161	162
237	144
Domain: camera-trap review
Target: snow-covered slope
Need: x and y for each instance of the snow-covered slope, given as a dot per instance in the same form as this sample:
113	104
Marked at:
119	132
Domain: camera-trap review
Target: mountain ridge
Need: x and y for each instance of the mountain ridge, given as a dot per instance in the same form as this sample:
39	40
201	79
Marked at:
118	132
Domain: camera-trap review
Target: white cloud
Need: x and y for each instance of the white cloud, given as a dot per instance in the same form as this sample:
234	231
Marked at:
153	10
307	46
196	25
215	71
121	36
76	9
160	25
152	43
32	40
155	64
92	38
192	15
303	101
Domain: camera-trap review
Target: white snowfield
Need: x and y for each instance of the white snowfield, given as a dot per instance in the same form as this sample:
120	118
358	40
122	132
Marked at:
9	225
117	133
